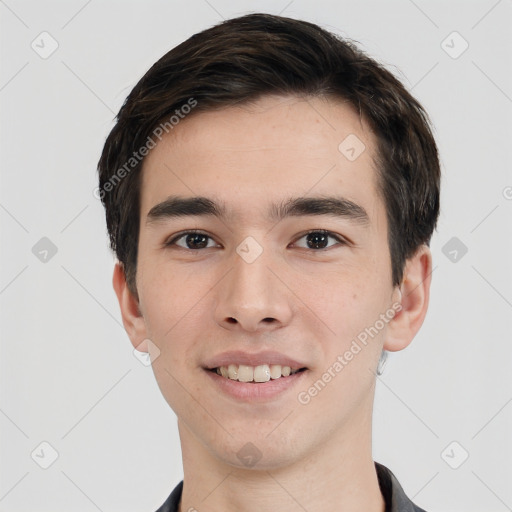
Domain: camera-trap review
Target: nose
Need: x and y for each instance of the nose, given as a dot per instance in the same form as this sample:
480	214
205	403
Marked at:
253	296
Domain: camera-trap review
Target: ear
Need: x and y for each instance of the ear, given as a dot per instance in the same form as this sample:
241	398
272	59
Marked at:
413	293
133	320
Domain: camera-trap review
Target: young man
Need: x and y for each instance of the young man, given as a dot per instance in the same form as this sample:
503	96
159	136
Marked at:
270	194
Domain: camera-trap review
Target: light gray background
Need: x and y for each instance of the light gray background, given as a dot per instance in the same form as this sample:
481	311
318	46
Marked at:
68	375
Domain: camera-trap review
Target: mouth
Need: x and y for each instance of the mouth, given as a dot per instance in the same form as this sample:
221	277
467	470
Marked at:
255	377
255	374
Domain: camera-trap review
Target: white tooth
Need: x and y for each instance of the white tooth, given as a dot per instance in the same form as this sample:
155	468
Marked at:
275	371
262	373
233	371
245	373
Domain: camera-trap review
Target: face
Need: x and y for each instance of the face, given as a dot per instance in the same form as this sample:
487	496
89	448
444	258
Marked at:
283	262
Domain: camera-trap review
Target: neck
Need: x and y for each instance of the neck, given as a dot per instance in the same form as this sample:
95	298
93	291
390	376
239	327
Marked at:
336	475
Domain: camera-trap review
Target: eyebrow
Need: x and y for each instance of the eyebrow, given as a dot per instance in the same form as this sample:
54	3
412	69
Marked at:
176	206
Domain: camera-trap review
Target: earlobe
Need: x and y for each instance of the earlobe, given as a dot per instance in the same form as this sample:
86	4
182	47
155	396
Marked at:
414	292
133	320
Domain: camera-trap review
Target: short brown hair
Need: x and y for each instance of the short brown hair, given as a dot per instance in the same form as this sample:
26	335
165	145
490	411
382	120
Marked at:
245	58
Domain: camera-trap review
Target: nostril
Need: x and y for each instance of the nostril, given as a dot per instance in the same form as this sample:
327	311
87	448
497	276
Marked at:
268	320
232	320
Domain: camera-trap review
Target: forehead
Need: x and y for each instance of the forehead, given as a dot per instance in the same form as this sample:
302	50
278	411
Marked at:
260	153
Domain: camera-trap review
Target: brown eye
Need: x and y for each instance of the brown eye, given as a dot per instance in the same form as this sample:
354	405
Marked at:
192	240
196	241
319	239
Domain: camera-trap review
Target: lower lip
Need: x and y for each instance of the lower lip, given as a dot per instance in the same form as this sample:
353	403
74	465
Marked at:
256	391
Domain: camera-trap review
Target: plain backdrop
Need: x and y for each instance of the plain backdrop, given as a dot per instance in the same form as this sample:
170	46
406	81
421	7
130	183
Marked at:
69	379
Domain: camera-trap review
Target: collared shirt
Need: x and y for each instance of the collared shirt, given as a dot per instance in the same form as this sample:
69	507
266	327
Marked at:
392	492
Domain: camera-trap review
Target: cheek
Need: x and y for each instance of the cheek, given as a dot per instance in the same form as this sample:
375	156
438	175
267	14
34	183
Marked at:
346	296
350	310
166	301
167	289
176	302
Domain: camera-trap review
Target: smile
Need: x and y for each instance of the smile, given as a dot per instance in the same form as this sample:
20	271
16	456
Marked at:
255	374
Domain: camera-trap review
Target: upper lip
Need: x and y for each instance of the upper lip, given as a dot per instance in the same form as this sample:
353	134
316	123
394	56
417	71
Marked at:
252	359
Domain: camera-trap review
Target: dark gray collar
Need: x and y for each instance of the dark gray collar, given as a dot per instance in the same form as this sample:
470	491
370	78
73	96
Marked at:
394	495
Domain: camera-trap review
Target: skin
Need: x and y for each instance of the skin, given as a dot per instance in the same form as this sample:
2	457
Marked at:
314	301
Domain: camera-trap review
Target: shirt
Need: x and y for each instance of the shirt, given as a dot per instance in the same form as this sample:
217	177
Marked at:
392	492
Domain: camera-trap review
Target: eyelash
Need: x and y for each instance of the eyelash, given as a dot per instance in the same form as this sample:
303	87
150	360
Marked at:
183	234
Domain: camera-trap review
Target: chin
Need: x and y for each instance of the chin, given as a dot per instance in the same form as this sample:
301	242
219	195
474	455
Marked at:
257	452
